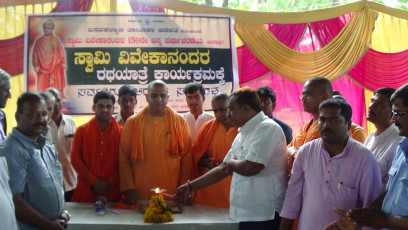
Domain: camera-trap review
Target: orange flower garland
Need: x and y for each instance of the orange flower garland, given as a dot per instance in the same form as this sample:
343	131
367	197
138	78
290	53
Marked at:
157	212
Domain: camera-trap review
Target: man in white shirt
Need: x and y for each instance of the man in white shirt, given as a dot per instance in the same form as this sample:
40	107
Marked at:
7	217
195	97
385	139
257	162
62	129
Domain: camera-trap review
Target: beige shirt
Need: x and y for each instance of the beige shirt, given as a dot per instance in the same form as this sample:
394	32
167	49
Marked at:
195	124
62	137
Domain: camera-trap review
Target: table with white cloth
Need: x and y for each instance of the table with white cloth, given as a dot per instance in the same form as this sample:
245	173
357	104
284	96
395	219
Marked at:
195	217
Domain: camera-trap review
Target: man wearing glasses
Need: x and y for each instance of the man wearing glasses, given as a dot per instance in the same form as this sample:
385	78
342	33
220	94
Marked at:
334	170
390	209
315	91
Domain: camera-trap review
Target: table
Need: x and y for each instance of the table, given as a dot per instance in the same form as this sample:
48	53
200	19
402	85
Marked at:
193	217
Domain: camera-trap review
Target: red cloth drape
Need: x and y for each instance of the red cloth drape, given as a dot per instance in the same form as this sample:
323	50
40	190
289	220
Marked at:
308	38
73	5
249	67
12	55
12	50
377	69
328	29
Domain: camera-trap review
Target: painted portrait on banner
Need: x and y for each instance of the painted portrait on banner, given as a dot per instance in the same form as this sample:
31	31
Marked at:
48	59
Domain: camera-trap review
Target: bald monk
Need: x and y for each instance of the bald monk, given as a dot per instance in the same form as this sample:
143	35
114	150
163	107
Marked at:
95	153
155	148
212	143
315	91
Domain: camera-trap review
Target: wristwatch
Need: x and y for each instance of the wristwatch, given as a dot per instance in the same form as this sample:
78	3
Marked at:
68	214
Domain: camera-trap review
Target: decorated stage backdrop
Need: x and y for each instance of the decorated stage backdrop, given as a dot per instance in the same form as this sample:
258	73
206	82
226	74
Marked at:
81	54
384	64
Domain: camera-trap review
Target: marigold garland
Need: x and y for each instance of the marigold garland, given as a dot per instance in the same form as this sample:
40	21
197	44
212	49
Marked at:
157	212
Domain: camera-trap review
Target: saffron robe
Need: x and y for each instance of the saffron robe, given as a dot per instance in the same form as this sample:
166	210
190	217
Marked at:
49	57
214	141
154	152
95	155
357	133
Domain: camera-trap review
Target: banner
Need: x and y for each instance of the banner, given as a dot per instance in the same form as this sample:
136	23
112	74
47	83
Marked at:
81	54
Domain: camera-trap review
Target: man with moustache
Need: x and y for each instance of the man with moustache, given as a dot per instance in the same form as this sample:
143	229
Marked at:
62	128
127	102
257	162
333	170
315	91
154	148
49	104
196	117
35	174
213	141
385	139
390	209
95	153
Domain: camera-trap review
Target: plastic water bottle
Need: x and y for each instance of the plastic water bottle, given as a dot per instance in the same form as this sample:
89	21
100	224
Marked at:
100	205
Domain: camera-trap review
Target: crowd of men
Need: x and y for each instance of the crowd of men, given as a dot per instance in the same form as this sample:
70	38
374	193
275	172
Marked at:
330	176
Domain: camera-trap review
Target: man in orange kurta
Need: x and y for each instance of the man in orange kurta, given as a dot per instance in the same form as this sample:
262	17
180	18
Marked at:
212	143
155	148
48	59
95	153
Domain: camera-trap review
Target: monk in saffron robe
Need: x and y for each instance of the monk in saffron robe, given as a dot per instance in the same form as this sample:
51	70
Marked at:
95	153
155	148
315	91
48	59
212	143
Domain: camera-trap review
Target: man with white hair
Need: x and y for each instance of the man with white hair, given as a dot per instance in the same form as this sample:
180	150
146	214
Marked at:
7	218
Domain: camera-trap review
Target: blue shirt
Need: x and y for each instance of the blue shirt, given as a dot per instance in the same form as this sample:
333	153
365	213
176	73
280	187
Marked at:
396	199
35	173
286	130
